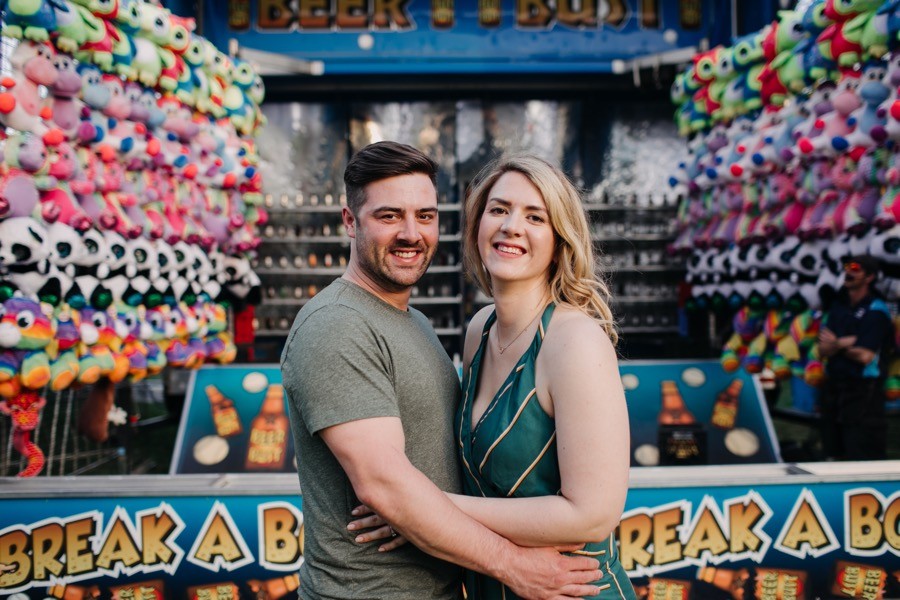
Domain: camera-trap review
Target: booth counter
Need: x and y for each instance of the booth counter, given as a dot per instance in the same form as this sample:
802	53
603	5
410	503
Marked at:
806	530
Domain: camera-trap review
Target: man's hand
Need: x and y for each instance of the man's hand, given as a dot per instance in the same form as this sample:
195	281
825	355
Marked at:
545	574
827	342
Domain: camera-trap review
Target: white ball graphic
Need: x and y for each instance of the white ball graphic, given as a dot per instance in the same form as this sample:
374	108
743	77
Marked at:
210	450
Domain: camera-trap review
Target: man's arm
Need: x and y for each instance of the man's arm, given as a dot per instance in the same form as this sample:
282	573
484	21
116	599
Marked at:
371	452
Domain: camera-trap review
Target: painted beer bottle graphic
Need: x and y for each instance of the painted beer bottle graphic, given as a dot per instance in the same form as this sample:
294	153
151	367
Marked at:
268	432
224	414
673	411
489	13
724	413
442	14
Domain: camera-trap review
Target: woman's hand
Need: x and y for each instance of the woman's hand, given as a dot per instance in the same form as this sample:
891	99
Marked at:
379	529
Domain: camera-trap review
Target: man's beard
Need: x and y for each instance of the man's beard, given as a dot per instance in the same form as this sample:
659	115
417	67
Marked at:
376	267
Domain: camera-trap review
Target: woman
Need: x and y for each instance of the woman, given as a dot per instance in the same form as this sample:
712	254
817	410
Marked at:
542	425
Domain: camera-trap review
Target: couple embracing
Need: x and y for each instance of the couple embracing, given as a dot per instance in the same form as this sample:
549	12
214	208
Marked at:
513	484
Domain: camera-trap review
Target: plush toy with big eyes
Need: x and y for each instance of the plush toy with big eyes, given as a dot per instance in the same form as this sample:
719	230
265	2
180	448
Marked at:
150	54
133	330
26	330
243	285
88	289
68	200
67	107
63	350
102	37
24	255
96	97
22	105
219	345
24	173
161	330
747	325
99	355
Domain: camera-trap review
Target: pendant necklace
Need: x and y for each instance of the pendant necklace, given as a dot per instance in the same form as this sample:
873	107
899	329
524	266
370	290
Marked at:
503	348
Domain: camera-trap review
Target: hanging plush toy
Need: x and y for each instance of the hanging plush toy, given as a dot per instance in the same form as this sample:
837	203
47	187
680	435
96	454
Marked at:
25	331
24	173
22	105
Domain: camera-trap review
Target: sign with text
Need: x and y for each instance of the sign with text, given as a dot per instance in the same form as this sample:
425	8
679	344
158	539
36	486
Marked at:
827	538
441	36
234	421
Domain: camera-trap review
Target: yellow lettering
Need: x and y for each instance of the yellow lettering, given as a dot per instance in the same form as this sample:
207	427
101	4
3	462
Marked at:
742	519
618	12
314	14
274	14
118	546
586	16
865	529
805	529
218	540
635	533
533	13
13	552
79	558
850	581
281	536
388	12
707	535
351	14
892	524
667	549
47	549
154	533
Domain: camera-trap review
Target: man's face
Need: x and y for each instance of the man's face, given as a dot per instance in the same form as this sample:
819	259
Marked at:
855	277
396	231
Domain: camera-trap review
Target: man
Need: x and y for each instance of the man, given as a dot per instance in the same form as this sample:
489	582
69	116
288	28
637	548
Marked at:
855	337
372	395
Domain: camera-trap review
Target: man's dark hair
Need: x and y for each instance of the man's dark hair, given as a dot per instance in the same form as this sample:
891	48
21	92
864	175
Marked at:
383	160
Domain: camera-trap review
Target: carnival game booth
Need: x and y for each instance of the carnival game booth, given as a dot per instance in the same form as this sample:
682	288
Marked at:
227	522
720	517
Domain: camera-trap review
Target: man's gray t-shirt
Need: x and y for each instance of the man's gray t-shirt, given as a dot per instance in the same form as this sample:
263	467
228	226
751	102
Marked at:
352	356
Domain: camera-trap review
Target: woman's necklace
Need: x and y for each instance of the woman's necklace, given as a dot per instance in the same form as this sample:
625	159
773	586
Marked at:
503	348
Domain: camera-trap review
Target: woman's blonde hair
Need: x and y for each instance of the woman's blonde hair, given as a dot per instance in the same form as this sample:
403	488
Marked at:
574	278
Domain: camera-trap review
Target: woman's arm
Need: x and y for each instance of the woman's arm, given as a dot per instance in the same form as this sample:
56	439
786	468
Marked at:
579	383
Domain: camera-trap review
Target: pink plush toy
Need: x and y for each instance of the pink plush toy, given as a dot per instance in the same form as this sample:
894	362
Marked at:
21	104
24	171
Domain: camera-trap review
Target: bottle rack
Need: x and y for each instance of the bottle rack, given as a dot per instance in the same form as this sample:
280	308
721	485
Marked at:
305	248
630	236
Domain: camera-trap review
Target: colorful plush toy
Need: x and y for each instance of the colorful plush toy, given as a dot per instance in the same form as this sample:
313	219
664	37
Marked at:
24	173
22	105
32	19
62	351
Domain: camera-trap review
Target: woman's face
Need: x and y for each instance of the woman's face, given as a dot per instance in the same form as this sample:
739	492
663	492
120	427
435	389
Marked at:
515	239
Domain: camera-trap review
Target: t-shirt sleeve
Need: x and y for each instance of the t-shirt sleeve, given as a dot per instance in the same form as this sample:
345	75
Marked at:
335	371
875	328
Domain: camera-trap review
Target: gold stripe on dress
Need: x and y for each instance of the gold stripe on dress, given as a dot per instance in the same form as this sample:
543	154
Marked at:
495	402
541	328
604	587
462	423
589	552
506	431
520	367
616	581
532	465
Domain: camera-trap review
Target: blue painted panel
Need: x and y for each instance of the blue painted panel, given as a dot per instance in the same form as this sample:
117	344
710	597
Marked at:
401	36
